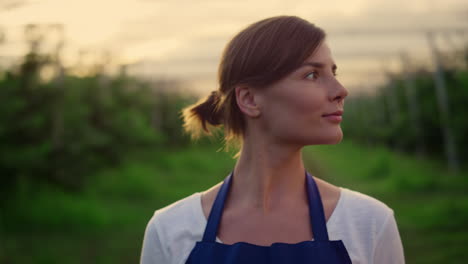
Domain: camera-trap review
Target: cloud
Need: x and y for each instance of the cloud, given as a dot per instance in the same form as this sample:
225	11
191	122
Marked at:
8	5
185	38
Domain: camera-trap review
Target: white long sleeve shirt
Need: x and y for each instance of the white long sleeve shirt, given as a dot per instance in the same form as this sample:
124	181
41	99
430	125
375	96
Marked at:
366	226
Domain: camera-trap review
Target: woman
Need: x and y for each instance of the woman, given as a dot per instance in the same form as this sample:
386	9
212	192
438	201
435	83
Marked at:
277	93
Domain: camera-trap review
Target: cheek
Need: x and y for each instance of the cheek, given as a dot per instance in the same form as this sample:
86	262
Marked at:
295	111
310	103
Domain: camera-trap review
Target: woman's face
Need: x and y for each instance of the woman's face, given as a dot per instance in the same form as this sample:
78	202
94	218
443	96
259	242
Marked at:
305	107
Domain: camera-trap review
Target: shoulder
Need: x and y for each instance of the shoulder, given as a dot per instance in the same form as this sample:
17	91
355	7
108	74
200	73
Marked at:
182	214
175	228
363	213
179	208
358	203
360	220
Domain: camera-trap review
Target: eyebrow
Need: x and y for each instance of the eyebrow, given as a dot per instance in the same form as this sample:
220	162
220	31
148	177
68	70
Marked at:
318	65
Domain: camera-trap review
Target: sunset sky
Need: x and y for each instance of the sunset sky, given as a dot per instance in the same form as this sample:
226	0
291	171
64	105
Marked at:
184	39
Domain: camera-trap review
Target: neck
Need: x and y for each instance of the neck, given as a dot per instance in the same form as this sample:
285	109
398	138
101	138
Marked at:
268	176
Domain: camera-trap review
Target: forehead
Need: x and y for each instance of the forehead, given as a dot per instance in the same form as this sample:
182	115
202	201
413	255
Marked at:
322	54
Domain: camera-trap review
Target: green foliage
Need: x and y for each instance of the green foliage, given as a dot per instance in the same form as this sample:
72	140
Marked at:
105	223
385	117
62	131
430	205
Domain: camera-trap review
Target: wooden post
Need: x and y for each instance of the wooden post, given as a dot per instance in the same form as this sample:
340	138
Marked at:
393	106
413	105
443	105
58	126
2	40
2	35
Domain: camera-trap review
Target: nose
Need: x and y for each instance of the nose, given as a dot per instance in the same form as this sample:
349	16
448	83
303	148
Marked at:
339	92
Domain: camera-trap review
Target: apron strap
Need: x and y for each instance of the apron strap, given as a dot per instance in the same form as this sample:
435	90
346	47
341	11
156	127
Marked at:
317	215
217	211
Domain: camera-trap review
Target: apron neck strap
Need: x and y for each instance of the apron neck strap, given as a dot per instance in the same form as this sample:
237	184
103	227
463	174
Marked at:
217	211
317	216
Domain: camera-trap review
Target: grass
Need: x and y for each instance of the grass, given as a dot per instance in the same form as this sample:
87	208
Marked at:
106	222
430	204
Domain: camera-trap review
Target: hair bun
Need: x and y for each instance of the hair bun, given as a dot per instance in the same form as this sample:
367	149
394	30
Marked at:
207	110
212	111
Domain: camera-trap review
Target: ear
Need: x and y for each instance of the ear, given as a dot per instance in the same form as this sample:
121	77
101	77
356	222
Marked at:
245	98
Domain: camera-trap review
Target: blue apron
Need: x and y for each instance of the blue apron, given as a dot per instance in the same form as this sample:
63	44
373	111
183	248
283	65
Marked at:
321	250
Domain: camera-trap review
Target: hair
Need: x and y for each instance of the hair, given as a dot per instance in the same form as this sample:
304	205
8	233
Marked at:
258	56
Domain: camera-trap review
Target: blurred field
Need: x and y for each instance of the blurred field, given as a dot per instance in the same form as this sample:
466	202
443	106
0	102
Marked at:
105	224
430	205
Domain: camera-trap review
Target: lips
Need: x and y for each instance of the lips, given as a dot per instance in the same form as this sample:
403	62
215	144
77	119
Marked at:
334	117
336	113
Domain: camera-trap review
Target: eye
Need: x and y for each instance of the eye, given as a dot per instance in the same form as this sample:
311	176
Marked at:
311	75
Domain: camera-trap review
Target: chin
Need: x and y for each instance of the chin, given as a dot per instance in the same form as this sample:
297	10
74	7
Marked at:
337	138
336	141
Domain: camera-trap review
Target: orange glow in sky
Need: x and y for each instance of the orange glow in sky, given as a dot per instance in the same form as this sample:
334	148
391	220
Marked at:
183	39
